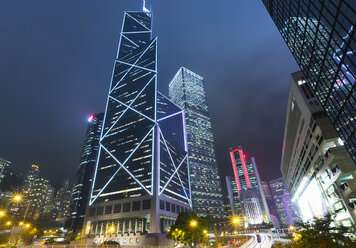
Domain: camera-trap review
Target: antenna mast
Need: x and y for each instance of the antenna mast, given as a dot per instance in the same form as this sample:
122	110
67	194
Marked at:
144	7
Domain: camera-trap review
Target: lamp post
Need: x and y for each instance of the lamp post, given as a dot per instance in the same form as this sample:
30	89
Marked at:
19	198
111	229
291	228
15	198
234	220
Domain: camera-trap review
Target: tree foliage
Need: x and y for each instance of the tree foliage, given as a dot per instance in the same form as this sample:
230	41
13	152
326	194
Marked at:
4	238
320	233
183	232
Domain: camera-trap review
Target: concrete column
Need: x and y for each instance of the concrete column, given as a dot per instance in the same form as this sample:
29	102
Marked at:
155	210
136	226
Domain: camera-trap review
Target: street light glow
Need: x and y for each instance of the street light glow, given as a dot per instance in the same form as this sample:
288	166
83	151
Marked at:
112	229
235	220
2	213
193	223
17	197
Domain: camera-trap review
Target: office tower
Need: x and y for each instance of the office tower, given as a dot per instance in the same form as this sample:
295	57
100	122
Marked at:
31	176
4	166
49	210
49	196
270	203
227	208
186	89
37	197
246	177
252	206
282	201
319	172
321	37
29	182
85	173
62	200
244	173
35	191
141	179
289	208
233	196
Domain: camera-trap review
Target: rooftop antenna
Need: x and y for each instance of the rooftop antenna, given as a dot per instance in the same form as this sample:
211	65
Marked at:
144	7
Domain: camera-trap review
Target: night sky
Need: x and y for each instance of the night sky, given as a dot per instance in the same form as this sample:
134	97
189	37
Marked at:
56	60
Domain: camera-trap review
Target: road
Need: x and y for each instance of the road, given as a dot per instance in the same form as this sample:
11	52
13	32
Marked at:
266	241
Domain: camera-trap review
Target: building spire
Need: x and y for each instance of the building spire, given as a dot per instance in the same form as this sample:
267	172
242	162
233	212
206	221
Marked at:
144	9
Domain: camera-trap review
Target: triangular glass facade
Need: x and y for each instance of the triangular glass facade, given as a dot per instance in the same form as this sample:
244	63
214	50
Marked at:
143	134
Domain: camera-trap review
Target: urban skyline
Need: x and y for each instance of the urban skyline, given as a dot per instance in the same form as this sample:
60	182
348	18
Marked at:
91	98
151	169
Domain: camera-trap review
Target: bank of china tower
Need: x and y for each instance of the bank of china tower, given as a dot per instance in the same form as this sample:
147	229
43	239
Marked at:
141	180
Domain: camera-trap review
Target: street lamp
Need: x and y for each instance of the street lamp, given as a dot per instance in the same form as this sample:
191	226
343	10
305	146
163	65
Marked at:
2	213
193	223
111	229
17	198
8	223
235	220
291	228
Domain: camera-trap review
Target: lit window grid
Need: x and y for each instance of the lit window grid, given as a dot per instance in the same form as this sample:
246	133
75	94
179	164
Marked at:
187	90
327	26
120	99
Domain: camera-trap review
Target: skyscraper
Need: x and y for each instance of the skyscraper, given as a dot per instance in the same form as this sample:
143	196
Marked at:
233	195
62	200
30	178
37	197
186	89
321	37
285	211
85	173
249	187
141	179
244	172
319	173
270	203
34	191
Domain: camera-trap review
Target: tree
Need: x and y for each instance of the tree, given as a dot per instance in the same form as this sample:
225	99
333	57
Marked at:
189	228
4	238
320	233
28	235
